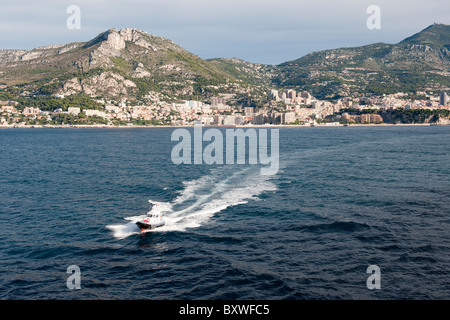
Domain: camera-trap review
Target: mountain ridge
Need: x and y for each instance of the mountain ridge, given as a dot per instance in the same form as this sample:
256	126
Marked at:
134	65
420	62
115	64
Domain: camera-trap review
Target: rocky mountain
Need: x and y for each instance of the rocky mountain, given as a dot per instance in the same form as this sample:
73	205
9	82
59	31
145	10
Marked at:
435	35
420	62
131	64
116	64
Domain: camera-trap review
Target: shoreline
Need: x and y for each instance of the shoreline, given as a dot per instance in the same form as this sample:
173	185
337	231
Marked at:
94	126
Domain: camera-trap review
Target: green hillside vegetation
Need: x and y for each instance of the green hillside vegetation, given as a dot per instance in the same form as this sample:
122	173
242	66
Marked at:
416	63
147	66
51	103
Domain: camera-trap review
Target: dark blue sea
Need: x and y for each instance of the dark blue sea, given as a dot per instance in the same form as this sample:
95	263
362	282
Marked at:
343	199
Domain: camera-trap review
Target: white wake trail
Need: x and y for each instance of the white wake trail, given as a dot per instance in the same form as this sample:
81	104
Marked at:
202	198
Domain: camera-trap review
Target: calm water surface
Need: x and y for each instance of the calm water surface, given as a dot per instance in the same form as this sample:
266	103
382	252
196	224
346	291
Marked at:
343	199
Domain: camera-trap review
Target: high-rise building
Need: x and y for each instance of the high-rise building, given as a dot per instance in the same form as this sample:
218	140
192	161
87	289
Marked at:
288	117
259	119
291	94
443	99
274	94
275	117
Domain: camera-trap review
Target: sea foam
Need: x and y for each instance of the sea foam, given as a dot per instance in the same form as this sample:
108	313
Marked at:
202	198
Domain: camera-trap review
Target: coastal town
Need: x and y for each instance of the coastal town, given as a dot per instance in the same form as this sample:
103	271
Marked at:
285	107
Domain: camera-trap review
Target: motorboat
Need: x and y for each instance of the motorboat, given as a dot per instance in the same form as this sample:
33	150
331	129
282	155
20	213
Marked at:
153	219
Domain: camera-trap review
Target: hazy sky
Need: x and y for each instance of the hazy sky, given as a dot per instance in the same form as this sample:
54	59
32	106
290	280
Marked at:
261	31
